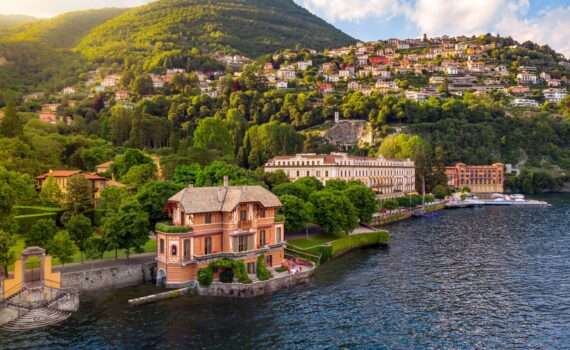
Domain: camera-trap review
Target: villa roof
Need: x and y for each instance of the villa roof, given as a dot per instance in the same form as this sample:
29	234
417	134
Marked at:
224	199
59	173
70	173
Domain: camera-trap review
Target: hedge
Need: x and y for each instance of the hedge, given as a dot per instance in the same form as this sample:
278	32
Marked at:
30	210
168	228
343	245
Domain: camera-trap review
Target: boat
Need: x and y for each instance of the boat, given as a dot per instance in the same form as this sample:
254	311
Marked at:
513	200
496	200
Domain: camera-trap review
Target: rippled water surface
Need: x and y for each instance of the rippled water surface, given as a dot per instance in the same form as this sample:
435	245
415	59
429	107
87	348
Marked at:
492	278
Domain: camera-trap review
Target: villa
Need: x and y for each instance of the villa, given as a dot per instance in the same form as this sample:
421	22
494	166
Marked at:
212	223
62	178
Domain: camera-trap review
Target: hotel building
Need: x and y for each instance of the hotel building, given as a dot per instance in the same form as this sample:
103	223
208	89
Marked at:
211	223
479	178
390	178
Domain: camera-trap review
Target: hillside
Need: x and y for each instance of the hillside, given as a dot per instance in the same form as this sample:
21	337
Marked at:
37	54
10	21
63	31
171	27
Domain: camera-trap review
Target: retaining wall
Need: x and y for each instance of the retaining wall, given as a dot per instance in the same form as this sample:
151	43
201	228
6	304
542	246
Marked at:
238	290
118	276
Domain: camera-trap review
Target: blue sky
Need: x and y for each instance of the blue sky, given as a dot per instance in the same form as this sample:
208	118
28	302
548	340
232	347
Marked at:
544	21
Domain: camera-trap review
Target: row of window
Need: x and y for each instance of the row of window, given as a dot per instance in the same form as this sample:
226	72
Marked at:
345	163
208	217
353	173
241	244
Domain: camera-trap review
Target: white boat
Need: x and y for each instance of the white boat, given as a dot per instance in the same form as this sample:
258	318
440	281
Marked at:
511	200
497	200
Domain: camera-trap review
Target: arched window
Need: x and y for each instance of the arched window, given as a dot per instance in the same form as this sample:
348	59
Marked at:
174	250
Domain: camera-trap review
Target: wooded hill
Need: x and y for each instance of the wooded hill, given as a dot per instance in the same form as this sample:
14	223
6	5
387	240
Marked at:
49	53
250	27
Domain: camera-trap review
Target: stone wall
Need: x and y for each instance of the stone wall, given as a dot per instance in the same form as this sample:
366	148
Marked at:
118	276
238	290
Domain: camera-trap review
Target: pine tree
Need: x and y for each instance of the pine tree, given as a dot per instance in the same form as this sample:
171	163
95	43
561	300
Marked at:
12	125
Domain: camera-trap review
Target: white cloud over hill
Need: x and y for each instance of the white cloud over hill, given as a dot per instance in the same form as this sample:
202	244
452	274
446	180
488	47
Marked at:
455	17
49	8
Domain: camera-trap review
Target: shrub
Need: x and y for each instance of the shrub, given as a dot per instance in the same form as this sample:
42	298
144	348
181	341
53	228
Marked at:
241	272
390	204
262	272
25	222
227	276
205	276
168	228
236	267
440	191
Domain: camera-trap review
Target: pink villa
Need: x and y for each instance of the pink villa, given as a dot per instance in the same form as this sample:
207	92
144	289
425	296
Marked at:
212	223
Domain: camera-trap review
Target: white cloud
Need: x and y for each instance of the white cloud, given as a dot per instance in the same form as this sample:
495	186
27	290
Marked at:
550	27
48	8
457	17
436	17
352	10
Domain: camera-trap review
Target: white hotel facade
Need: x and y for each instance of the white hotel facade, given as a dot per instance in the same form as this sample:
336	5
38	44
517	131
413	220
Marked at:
389	178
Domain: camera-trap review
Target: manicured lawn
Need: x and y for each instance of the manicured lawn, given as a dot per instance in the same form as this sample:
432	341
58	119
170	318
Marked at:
150	247
312	241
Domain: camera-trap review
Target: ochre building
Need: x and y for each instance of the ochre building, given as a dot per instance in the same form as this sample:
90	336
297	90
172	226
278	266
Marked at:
479	178
62	178
211	223
386	177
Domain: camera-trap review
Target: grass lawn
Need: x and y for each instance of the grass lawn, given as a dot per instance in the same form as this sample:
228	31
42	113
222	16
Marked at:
149	247
304	243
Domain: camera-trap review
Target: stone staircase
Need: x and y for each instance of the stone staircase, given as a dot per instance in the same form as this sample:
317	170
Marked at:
38	308
37	318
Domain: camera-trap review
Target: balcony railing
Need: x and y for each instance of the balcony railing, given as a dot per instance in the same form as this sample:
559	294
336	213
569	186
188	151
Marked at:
234	255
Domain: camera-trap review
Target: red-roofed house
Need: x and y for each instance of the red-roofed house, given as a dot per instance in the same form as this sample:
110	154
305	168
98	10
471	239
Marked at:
379	60
326	88
48	117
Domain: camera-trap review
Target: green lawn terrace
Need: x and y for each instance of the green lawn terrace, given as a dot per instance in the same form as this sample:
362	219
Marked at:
322	247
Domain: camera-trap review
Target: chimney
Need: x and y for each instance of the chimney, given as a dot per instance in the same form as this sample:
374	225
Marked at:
226	181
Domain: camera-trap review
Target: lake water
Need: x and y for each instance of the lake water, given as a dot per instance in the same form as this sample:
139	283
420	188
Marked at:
489	278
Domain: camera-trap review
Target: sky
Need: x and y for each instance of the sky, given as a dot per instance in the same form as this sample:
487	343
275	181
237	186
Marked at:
543	21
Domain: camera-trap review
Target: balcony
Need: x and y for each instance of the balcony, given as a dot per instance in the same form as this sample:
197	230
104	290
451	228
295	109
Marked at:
237	255
245	225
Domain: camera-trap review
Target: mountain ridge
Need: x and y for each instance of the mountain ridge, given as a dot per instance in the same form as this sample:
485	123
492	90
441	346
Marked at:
62	31
250	27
